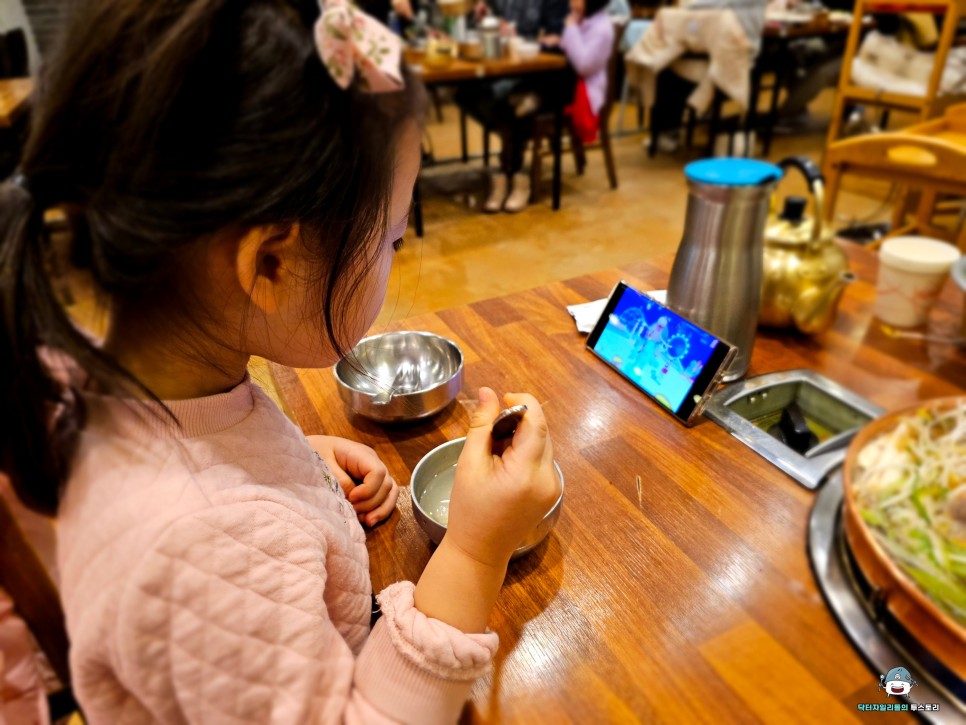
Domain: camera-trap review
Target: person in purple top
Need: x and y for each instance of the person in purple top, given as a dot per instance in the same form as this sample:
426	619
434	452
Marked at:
588	41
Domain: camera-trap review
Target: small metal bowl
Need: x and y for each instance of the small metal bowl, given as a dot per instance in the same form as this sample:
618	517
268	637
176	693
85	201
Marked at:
445	456
376	362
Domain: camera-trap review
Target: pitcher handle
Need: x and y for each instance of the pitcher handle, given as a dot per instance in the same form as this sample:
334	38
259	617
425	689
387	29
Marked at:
816	182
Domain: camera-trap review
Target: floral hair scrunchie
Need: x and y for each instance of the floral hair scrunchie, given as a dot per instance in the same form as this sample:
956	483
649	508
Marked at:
351	44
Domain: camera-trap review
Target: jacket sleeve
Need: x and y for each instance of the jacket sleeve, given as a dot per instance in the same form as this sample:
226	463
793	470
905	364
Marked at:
224	620
588	52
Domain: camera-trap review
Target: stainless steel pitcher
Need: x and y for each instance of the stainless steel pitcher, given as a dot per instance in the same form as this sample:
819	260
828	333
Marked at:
716	278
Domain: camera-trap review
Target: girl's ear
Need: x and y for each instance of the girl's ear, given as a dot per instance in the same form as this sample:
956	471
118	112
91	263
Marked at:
265	262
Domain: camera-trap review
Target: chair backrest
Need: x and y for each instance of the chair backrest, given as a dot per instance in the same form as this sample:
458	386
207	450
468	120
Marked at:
612	90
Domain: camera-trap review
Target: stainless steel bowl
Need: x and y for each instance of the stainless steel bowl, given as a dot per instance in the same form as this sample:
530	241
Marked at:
445	456
427	371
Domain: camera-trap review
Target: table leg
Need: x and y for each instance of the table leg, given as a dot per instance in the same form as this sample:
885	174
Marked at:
418	210
463	146
783	59
751	117
557	152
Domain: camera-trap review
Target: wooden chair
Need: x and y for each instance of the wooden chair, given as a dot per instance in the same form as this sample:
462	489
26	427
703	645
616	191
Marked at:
929	157
37	602
543	130
926	106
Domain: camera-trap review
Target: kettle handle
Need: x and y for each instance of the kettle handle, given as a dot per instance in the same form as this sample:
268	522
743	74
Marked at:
816	183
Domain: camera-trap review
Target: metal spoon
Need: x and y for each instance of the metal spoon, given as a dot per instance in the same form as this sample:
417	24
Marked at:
505	425
406	381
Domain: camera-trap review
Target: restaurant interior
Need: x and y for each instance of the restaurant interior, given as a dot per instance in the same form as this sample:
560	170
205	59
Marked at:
760	438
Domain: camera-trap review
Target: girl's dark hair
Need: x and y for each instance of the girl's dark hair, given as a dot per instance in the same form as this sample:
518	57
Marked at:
156	125
592	7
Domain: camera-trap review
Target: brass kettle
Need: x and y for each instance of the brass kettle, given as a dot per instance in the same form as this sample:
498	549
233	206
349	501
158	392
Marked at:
804	271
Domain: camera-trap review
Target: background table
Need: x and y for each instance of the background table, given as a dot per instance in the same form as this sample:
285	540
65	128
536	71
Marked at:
692	603
461	72
14	95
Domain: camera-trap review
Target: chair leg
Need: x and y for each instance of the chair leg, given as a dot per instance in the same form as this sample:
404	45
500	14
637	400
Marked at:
689	130
464	149
652	143
579	152
486	147
608	158
437	104
715	122
926	208
418	210
535	168
622	108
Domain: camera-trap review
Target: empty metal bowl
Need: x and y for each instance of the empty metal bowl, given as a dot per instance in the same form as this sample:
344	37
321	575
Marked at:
441	461
400	376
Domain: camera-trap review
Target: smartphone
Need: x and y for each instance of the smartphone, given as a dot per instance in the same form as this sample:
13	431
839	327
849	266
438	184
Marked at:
672	360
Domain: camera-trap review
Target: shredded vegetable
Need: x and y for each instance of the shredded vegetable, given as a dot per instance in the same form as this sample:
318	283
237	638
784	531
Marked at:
911	492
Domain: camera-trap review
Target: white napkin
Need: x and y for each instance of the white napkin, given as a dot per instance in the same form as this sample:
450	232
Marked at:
587	314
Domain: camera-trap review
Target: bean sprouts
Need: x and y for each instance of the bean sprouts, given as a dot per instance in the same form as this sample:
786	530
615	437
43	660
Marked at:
908	480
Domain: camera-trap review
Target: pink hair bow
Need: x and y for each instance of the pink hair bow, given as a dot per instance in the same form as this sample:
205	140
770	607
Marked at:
350	42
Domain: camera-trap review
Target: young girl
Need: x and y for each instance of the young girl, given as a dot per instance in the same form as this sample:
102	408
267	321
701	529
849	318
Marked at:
235	187
588	41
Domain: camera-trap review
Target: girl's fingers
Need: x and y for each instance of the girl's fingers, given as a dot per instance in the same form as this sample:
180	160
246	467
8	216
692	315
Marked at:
342	478
374	501
370	485
531	438
478	439
385	510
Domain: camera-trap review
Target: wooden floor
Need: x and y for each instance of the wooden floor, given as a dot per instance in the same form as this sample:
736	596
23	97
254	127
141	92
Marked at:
467	255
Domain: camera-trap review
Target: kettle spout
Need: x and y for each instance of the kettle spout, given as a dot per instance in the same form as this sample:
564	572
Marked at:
815	309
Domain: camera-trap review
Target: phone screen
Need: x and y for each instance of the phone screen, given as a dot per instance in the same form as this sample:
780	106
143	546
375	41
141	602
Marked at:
666	356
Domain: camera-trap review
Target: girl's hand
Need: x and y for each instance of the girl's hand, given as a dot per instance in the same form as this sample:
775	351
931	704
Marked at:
550	41
498	500
374	499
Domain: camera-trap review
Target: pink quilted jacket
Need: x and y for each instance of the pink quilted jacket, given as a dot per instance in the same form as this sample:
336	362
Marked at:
213	572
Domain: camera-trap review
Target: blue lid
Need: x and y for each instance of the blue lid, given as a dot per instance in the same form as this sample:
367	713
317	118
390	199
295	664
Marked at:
732	172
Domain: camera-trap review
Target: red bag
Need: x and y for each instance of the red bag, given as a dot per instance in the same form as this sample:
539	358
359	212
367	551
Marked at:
585	121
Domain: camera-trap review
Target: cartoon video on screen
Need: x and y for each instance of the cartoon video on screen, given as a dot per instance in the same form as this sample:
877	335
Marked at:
656	349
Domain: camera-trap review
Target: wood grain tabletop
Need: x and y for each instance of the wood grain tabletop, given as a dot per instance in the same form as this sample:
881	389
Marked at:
14	95
465	70
691	603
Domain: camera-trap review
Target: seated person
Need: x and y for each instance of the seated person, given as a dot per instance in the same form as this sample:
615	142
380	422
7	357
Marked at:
674	90
506	106
587	41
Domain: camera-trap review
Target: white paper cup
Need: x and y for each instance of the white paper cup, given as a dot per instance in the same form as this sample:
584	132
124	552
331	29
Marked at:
912	271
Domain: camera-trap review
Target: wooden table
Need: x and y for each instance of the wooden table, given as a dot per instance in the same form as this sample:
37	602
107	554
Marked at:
463	70
459	72
695	603
14	95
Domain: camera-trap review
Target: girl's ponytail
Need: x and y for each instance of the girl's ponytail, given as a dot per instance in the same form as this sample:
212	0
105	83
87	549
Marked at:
41	414
27	392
